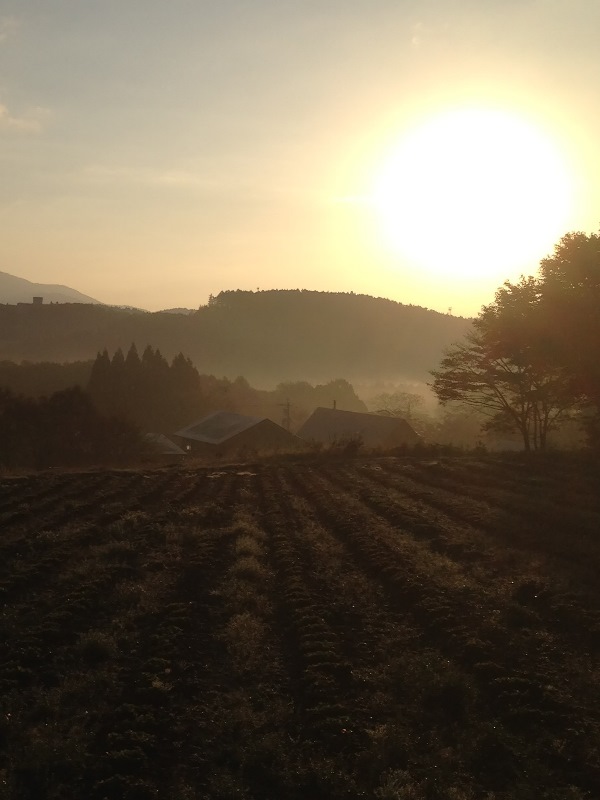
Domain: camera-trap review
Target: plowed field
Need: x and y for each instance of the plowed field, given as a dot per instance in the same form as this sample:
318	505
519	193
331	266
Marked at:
378	628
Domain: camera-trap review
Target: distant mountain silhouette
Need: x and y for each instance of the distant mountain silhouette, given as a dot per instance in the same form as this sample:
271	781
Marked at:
19	290
266	336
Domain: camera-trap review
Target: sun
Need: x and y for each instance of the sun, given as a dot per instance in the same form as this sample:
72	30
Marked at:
473	192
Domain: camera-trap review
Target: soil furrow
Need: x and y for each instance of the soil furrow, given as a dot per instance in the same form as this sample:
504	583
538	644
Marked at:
466	625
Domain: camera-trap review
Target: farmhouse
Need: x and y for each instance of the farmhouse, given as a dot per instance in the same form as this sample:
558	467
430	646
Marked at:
330	425
224	432
163	449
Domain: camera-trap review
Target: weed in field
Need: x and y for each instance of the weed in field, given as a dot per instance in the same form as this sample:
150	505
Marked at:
397	784
245	523
250	568
224	784
181	540
117	552
215	514
388	746
244	635
129	522
241	594
248	546
129	594
190	513
96	647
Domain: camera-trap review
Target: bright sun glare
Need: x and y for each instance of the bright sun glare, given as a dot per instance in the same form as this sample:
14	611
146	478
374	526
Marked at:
472	193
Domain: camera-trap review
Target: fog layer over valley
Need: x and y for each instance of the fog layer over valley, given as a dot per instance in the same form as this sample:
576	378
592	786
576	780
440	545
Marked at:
266	336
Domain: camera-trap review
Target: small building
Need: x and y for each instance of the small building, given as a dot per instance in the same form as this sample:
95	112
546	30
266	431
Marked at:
332	425
162	449
227	433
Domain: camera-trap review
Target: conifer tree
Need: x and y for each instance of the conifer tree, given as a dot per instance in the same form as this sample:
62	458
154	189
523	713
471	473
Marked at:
187	400
99	383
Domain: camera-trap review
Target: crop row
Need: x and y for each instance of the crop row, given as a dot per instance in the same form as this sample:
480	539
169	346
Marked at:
340	630
500	548
516	671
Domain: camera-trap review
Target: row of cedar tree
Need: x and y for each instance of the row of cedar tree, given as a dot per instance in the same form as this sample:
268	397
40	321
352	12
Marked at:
159	396
147	390
126	396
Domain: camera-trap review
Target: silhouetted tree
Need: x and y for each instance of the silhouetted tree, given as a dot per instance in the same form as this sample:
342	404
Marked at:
132	359
43	378
99	383
398	404
185	391
63	430
155	395
504	368
570	309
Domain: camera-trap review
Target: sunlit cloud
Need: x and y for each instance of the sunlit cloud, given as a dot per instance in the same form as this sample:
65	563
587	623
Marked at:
144	176
416	39
31	122
177	178
209	181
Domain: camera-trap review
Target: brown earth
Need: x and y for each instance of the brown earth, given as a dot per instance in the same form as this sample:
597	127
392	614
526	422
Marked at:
378	628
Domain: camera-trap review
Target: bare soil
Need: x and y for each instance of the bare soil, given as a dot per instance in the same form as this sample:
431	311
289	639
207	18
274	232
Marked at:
382	627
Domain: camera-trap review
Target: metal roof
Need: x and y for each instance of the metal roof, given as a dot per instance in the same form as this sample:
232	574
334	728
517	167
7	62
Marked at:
163	445
218	427
329	424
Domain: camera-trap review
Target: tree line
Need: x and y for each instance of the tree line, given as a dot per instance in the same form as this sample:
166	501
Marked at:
124	396
65	429
267	336
147	390
531	362
162	397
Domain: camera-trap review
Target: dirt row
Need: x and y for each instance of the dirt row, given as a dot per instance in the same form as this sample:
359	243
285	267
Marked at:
366	628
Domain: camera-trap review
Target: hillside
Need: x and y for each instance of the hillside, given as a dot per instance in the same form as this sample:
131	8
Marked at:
267	337
19	290
382	628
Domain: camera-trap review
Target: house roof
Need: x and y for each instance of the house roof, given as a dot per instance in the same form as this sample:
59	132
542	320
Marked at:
329	424
218	427
163	445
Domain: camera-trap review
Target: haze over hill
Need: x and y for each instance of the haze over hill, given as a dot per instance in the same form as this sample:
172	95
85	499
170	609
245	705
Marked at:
266	336
20	290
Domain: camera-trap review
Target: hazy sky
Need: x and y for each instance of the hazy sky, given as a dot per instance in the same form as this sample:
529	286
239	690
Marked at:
156	151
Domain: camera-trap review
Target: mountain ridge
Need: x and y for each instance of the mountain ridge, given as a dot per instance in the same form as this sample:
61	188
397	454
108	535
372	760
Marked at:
268	337
14	289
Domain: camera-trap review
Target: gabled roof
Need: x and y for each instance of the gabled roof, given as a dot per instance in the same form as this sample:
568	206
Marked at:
329	424
164	446
218	427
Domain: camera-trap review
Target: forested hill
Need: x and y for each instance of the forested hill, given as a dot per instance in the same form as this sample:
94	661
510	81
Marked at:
266	336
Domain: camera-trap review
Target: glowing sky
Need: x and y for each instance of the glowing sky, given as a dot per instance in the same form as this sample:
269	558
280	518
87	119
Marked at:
155	151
